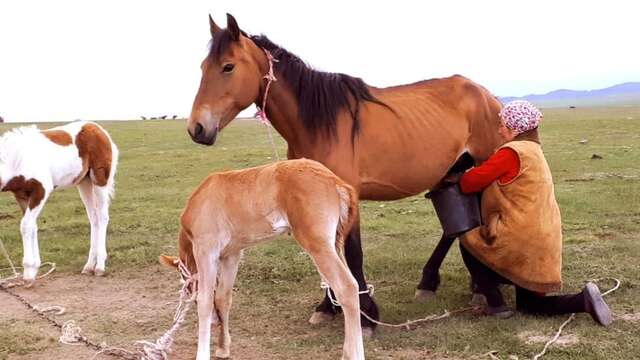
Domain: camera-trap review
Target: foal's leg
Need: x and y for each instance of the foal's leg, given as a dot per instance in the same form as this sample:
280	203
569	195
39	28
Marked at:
353	255
206	263
334	271
101	200
29	231
226	278
85	189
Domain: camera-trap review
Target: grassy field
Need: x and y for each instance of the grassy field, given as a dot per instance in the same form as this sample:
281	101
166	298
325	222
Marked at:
277	287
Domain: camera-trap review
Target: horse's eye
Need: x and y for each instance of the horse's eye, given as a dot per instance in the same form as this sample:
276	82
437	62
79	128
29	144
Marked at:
227	68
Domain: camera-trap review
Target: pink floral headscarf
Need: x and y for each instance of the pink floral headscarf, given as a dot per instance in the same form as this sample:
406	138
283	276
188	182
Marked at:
521	116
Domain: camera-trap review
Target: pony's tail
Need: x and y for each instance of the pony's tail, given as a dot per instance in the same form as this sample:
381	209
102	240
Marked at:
111	182
348	214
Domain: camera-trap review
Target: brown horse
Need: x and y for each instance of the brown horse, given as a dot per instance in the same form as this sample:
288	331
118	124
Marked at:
388	143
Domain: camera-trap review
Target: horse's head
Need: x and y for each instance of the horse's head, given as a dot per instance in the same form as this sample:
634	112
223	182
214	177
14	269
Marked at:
230	82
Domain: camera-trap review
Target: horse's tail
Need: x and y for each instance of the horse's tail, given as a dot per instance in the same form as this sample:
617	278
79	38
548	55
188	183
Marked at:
111	182
348	214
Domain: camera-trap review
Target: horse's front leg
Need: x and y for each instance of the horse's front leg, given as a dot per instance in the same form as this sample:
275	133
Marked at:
431	272
29	231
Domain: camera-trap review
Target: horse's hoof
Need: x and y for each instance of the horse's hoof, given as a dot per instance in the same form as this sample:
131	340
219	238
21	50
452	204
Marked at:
478	300
99	272
422	296
28	283
87	271
367	332
320	317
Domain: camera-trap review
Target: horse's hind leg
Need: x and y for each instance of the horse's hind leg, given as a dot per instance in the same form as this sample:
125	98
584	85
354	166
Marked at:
85	189
222	299
353	255
333	270
431	271
96	202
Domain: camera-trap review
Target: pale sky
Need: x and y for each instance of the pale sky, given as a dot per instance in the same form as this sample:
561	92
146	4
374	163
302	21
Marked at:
119	59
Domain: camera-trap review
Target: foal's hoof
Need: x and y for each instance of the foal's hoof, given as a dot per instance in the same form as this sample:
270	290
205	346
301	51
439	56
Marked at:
87	271
28	283
367	332
320	317
99	272
422	296
223	354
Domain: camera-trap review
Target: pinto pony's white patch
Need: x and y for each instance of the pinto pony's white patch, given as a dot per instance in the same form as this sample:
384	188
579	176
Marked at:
33	163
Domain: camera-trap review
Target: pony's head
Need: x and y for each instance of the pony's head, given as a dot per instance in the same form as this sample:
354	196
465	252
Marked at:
230	82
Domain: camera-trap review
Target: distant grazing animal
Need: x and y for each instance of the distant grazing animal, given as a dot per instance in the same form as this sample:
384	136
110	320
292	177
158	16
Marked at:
233	210
174	116
33	163
163	117
143	118
1	119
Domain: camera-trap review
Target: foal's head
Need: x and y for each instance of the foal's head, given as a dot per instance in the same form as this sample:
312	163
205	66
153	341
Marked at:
230	82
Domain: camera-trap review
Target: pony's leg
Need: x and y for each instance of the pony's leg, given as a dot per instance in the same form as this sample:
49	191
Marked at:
431	272
29	231
344	285
101	199
223	294
85	189
206	263
353	255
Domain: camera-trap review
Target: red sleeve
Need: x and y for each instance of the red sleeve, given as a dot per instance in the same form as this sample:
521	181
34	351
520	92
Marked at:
504	165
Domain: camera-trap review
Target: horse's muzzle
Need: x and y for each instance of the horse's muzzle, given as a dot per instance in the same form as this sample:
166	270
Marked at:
201	136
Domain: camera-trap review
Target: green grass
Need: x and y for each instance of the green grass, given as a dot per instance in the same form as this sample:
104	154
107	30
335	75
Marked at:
278	287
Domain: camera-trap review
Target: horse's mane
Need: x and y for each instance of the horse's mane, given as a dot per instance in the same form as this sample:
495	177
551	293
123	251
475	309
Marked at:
321	95
12	140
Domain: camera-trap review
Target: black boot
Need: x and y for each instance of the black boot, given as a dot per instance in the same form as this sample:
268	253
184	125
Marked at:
594	304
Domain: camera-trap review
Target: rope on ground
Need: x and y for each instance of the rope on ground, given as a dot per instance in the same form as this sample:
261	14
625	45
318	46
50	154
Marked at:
407	324
557	336
160	349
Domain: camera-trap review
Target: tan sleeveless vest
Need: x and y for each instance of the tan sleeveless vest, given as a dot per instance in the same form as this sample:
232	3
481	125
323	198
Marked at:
521	238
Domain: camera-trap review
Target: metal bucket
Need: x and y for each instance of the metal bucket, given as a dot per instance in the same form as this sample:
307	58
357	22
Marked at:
458	212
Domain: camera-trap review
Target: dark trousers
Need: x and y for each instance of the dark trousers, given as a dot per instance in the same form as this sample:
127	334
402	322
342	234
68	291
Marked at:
529	302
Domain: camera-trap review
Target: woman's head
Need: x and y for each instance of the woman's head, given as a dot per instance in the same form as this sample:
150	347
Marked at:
518	117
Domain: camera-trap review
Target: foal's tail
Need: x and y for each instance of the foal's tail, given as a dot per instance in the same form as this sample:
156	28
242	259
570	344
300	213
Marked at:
111	182
348	214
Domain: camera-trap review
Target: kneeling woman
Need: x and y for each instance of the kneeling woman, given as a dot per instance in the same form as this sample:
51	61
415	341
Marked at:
520	242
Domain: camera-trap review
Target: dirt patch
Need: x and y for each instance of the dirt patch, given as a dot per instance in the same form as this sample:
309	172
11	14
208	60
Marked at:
118	309
564	340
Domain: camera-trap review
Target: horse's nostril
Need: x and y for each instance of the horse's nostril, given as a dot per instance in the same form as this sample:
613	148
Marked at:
198	131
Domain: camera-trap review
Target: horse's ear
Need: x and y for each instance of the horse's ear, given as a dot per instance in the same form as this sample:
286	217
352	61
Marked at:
213	27
232	26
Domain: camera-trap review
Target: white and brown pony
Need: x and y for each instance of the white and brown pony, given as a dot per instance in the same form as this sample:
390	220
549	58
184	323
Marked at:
233	210
33	163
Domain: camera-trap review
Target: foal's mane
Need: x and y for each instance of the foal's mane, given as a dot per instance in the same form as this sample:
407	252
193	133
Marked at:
321	95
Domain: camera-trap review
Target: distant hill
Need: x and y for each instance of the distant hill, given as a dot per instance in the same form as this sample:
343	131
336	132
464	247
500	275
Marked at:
621	94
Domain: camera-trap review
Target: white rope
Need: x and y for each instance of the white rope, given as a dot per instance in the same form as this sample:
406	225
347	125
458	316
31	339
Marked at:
571	317
70	334
406	324
9	283
162	347
273	144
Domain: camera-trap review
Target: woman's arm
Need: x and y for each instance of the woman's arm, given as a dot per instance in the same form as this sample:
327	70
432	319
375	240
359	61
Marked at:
504	165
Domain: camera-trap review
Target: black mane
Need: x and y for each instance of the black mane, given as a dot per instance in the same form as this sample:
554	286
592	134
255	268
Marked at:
321	95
